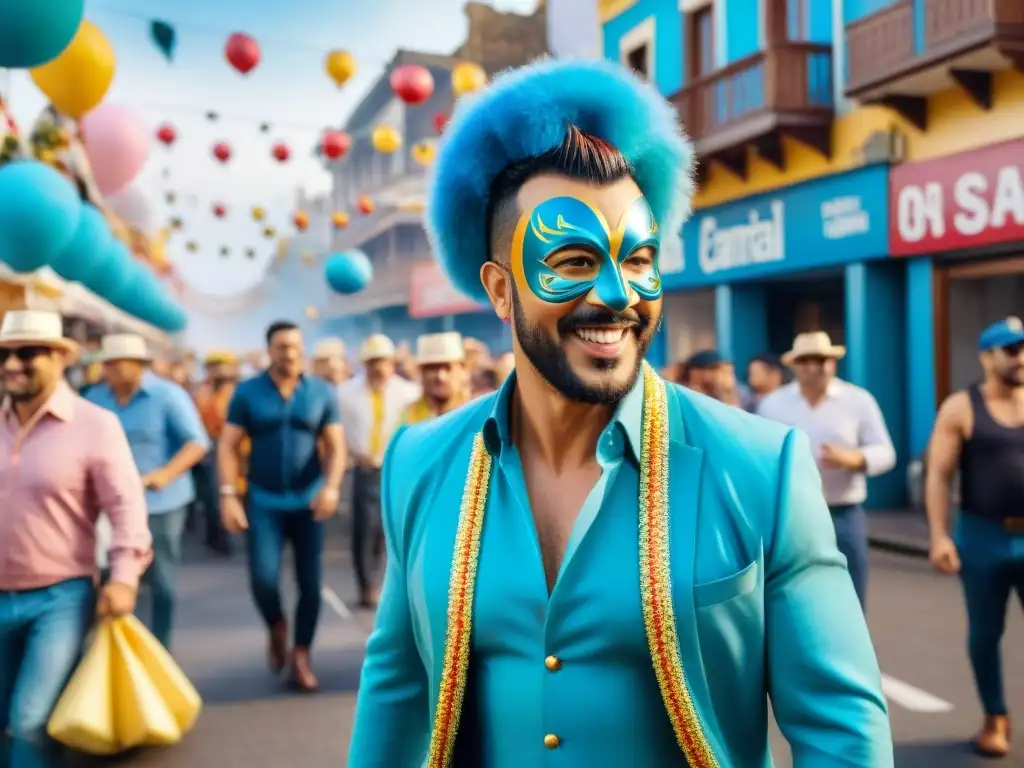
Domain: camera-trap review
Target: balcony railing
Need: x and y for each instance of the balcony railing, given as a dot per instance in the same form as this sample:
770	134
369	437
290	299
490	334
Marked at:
793	78
912	34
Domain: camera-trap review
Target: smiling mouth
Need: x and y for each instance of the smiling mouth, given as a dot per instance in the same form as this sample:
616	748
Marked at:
604	335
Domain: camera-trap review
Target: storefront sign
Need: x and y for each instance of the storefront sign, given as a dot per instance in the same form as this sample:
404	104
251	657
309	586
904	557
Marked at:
431	294
825	222
962	201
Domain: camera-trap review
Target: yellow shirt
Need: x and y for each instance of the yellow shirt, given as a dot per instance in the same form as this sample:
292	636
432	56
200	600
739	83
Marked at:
421	410
377	428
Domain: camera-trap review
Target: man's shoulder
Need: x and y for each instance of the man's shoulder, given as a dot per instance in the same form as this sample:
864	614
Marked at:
780	395
725	431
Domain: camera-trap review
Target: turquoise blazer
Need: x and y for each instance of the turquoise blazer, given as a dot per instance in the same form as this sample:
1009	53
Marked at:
765	609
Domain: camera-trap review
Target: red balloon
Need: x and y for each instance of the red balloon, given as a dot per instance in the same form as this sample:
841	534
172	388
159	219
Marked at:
412	83
365	204
166	134
280	152
242	52
219	211
440	121
222	151
335	144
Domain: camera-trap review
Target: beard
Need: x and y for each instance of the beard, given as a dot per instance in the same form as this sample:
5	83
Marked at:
550	361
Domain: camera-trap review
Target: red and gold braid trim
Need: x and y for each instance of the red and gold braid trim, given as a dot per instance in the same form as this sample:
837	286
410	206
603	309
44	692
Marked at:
460	608
656	577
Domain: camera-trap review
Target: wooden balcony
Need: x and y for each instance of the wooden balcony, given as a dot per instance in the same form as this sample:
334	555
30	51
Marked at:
914	48
785	90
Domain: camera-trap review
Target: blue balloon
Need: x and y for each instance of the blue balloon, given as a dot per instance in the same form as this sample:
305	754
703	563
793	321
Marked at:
39	213
32	32
92	238
112	271
348	271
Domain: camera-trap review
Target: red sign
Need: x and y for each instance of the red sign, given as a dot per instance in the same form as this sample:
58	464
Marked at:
431	294
961	201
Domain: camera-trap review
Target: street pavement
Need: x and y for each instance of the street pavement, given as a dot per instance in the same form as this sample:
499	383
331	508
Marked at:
250	720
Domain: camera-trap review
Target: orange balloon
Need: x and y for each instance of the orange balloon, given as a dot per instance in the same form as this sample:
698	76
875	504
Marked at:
340	66
339	219
365	204
300	220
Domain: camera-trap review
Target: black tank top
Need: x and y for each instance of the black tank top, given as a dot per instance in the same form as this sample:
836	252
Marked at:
991	465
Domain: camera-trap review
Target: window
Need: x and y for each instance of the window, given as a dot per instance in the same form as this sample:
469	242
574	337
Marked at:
700	42
798	21
636	49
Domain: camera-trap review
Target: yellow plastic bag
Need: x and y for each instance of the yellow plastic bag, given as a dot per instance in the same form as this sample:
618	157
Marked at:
84	716
127	692
174	689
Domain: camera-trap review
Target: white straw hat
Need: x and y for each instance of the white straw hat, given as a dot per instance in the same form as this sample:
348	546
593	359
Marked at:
123	346
377	347
435	348
815	344
35	328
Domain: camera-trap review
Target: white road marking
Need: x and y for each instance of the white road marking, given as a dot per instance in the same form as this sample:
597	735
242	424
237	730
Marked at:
911	698
337	604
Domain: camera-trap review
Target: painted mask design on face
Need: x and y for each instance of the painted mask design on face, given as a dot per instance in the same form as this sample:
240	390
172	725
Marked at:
564	249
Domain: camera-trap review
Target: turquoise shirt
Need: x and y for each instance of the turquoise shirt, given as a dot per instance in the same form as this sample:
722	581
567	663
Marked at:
512	633
159	420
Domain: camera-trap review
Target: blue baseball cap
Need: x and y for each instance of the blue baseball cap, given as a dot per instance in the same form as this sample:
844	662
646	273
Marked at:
704	359
1002	334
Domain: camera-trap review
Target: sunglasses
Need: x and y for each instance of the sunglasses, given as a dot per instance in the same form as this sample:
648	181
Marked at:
24	355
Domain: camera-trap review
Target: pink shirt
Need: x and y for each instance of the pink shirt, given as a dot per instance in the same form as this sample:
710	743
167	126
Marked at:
57	472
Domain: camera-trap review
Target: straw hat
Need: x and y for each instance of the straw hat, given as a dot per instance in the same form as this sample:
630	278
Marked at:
35	328
328	349
816	344
438	348
377	347
123	346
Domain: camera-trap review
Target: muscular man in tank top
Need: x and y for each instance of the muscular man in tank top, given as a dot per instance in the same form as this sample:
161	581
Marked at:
980	433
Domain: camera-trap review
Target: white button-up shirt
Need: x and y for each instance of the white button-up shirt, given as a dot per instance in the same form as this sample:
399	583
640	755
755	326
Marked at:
847	417
357	409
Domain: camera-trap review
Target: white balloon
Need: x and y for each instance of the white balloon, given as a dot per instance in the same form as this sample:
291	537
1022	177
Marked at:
134	209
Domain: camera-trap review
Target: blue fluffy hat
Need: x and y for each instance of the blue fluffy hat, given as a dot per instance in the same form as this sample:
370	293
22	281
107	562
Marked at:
526	112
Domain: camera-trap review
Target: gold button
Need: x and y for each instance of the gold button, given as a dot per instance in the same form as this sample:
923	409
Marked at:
553	663
551	741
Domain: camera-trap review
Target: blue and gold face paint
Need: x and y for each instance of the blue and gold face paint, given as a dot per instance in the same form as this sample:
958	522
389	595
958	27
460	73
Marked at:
564	249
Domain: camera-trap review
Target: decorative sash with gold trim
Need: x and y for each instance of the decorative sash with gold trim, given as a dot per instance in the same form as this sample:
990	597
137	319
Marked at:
655	589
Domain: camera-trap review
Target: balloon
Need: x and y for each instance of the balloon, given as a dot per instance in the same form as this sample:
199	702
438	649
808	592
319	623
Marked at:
386	139
412	83
92	237
339	219
77	80
250	253
340	66
335	144
222	151
258	214
468	77
269	233
39	214
242	52
117	143
280	152
220	211
134	209
177	224
33	33
440	121
348	271
165	38
112	273
192	246
225	251
166	134
300	220
424	153
365	204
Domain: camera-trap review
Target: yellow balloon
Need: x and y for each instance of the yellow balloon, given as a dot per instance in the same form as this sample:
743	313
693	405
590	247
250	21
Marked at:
258	214
468	77
77	80
340	66
424	153
386	139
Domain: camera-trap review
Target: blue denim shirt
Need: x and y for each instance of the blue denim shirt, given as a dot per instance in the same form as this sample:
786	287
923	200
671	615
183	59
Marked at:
160	419
284	467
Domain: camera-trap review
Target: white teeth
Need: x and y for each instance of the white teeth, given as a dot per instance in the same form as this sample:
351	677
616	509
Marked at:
600	335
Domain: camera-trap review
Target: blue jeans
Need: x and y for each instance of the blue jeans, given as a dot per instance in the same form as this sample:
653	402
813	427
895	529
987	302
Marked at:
161	579
851	523
992	566
269	531
42	632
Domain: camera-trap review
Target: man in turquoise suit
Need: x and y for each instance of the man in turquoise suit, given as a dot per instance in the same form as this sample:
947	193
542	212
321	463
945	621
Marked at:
592	568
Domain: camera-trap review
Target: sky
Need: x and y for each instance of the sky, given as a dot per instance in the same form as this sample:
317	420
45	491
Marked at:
289	90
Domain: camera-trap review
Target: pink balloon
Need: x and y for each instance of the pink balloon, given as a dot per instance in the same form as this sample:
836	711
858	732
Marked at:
117	143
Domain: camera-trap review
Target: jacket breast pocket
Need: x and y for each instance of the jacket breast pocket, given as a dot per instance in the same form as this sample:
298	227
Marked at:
728	588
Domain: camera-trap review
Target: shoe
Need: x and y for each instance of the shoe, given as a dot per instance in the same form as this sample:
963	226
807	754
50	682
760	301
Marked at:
302	677
277	648
994	739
